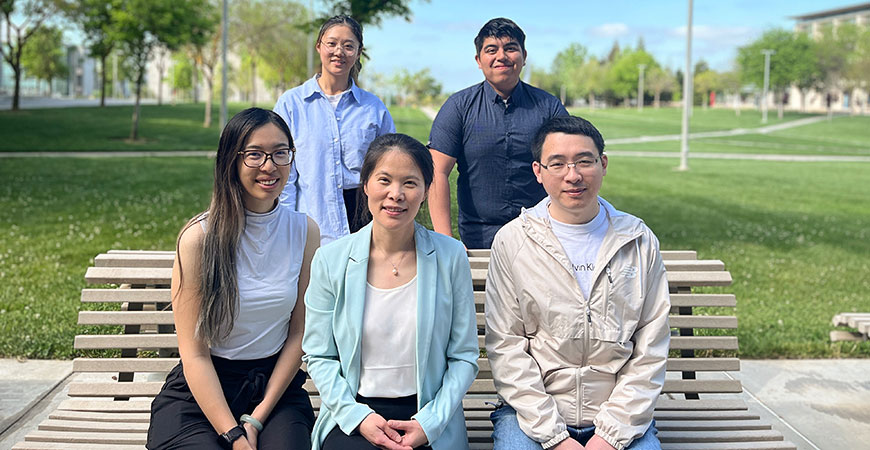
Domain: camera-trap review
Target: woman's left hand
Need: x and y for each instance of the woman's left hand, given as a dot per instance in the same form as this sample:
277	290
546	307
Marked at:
413	435
252	435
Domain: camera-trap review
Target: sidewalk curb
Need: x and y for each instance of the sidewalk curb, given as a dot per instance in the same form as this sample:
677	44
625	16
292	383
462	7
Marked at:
7	426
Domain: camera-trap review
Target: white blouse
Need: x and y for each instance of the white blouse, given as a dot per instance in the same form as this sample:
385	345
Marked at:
389	339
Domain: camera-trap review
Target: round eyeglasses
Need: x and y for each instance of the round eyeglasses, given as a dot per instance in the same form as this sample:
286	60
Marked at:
256	158
560	169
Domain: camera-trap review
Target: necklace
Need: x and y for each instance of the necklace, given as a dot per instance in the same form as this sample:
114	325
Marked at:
395	266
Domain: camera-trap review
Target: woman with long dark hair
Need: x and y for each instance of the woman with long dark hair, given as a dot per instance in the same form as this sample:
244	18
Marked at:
390	335
333	122
240	273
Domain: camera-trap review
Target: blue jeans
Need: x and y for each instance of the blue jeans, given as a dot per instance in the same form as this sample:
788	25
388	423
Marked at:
507	435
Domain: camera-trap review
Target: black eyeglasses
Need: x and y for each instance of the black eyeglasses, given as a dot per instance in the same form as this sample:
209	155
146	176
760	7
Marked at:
256	158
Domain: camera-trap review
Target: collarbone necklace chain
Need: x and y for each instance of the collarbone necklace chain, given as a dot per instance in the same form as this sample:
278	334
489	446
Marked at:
395	266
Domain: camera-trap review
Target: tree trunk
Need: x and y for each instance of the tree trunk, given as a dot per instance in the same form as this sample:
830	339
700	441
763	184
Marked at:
657	100
780	107
16	92
195	82
209	81
591	101
103	79
253	82
134	131
627	101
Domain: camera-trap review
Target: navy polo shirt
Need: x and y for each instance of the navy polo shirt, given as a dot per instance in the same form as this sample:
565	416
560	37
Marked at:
491	142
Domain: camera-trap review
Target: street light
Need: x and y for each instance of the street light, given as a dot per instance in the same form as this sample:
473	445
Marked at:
640	87
766	54
687	96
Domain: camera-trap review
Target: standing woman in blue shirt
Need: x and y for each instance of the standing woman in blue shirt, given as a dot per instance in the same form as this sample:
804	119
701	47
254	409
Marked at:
333	122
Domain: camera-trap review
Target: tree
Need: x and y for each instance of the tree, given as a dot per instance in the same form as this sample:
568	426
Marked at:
792	60
567	67
659	80
97	22
730	83
34	14
181	74
282	60
43	58
624	73
418	87
368	12
706	82
142	25
593	76
205	53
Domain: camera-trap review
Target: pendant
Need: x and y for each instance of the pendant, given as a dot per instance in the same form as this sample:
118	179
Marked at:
395	272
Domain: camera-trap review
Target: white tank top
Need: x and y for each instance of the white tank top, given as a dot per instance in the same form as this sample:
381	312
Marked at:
388	360
268	262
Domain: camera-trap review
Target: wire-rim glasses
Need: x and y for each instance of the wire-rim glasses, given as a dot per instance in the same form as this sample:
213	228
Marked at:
560	169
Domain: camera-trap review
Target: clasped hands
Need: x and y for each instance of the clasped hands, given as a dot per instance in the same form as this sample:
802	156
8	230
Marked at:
392	434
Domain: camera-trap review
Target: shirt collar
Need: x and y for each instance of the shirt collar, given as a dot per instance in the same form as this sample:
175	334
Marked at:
517	95
311	87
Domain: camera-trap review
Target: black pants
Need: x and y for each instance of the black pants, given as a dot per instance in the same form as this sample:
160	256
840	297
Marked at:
177	422
389	408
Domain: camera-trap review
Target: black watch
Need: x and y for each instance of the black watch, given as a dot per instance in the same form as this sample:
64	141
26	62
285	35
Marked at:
230	436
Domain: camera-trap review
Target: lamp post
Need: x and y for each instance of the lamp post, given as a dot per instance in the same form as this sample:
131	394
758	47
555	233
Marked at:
687	96
766	53
309	55
224	33
640	87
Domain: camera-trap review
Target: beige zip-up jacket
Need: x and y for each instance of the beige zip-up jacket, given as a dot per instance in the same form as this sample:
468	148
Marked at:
561	359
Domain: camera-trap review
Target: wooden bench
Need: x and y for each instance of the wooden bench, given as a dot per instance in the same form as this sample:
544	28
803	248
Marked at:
695	411
858	321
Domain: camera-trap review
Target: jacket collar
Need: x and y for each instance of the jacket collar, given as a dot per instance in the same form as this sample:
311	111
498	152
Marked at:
518	95
622	229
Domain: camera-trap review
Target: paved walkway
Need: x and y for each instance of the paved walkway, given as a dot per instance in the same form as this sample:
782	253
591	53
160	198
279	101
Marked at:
50	102
723	133
815	404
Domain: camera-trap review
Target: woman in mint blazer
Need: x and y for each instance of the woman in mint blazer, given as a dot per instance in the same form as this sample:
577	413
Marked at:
347	333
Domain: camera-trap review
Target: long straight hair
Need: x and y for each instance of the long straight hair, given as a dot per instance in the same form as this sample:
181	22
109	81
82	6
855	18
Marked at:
357	31
225	222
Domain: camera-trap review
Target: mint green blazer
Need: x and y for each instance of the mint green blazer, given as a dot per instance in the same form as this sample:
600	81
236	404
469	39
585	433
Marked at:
446	347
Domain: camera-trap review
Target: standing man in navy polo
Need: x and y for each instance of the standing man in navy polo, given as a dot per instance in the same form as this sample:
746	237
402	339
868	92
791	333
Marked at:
488	129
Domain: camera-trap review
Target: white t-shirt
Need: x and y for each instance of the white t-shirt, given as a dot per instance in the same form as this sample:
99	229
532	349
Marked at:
581	243
388	362
335	98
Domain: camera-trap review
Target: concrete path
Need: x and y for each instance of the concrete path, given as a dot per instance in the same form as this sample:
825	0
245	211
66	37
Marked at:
50	102
815	404
723	133
25	385
739	156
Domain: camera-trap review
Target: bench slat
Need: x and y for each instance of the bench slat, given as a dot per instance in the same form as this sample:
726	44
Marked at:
161	276
126	318
143	417
720	436
126	341
764	445
124	364
83	438
126	296
710	425
93	427
31	445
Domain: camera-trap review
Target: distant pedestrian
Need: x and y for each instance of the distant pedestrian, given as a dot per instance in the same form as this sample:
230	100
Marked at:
333	122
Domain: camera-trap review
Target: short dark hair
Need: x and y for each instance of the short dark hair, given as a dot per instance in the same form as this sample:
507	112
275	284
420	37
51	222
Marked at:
567	125
500	28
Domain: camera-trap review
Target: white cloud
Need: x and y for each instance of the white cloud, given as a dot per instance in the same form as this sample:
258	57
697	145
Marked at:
725	35
609	30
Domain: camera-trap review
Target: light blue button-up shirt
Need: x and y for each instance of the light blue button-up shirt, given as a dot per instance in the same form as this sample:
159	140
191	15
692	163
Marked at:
330	146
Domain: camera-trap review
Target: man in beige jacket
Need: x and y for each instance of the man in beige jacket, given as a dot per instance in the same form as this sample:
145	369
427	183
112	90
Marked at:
576	309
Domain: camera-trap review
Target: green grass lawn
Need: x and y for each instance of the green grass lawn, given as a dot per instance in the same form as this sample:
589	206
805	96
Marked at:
794	237
166	127
629	122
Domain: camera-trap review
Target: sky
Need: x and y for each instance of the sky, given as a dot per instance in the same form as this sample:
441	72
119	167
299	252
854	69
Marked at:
441	33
